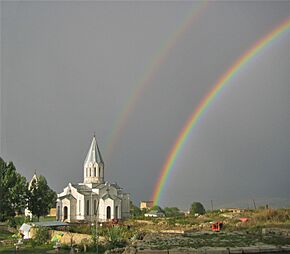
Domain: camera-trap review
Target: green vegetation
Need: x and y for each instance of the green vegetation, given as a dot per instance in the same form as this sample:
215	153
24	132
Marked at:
15	196
13	191
41	235
41	198
4	235
135	211
194	232
197	208
172	212
27	249
115	237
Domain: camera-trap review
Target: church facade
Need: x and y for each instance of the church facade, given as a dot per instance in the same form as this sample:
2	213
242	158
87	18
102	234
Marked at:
94	199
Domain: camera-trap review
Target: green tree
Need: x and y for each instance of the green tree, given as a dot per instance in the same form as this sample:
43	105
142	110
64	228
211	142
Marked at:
13	191
172	211
40	197
157	208
134	210
197	207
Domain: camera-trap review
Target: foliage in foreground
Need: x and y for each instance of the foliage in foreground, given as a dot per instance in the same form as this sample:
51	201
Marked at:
13	191
41	197
41	235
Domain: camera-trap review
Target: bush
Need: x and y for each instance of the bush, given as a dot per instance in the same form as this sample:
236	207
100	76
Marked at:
81	229
171	221
266	215
116	237
197	207
41	235
33	243
16	221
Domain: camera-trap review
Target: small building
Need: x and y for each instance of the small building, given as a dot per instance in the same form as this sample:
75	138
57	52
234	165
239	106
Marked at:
146	204
232	210
154	214
27	231
52	212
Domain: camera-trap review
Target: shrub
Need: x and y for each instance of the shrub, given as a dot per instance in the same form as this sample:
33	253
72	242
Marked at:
197	207
115	237
265	215
16	221
41	235
171	221
81	229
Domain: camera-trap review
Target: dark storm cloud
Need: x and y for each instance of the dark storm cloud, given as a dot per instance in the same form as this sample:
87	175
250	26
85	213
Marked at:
68	68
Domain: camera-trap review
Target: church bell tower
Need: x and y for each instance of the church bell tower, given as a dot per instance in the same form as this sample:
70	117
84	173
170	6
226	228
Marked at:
94	164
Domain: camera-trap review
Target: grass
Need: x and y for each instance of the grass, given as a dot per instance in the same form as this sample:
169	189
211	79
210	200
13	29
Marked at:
38	249
234	233
5	235
47	218
26	249
220	239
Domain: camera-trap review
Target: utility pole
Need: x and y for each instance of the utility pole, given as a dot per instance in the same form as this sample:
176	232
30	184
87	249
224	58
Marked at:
254	204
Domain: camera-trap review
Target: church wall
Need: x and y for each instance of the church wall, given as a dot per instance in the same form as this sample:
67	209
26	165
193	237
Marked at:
118	204
103	209
125	206
80	207
73	211
93	202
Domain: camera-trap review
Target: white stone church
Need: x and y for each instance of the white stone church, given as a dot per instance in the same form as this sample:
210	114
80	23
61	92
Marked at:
94	199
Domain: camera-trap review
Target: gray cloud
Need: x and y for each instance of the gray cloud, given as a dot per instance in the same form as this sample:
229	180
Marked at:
68	68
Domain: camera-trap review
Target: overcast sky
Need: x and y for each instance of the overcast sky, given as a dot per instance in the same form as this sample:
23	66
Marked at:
69	68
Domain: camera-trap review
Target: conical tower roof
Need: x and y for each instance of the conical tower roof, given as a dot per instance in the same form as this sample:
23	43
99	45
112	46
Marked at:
94	154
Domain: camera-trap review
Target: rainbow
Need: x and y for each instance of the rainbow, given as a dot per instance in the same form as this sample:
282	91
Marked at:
158	60
207	101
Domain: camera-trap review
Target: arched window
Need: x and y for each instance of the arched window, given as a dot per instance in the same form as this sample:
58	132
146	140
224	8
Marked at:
80	207
95	207
65	213
99	172
108	212
116	212
88	207
95	172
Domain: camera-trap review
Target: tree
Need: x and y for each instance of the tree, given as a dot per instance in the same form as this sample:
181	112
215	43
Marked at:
197	207
172	211
134	210
40	197
156	208
13	191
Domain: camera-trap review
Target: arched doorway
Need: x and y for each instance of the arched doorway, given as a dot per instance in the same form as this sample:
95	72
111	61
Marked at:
65	213
108	212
